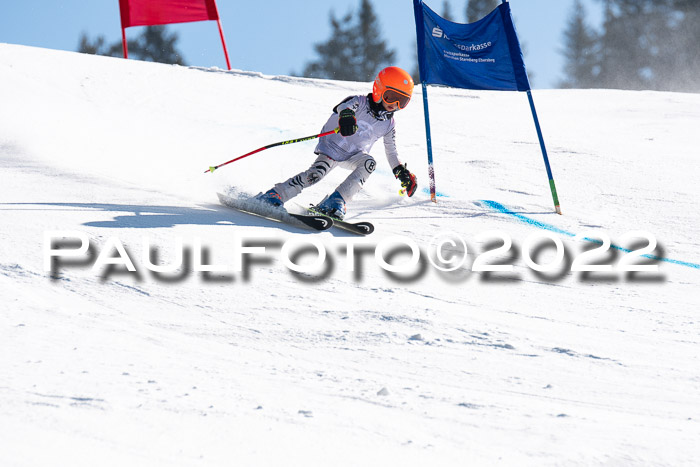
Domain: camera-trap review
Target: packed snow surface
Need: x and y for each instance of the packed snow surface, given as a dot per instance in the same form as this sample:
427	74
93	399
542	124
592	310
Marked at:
352	364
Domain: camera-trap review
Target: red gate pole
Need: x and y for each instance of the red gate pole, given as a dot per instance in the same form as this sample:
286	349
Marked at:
124	48
223	42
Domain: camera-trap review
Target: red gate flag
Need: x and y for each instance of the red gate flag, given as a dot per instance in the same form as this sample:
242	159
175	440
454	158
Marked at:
154	12
157	12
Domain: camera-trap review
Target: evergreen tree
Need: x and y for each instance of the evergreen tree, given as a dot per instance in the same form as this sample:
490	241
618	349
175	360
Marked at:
679	62
477	9
355	50
580	65
99	47
86	46
154	44
335	55
623	59
373	52
650	44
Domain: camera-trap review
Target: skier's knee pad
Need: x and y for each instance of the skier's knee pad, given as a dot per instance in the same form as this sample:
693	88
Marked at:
369	164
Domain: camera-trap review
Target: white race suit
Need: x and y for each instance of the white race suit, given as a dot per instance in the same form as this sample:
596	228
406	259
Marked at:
349	152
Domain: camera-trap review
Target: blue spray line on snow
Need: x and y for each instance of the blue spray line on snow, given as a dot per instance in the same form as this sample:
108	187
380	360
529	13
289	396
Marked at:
542	225
437	193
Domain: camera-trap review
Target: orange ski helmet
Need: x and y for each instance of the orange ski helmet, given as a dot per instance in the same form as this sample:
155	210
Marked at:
393	85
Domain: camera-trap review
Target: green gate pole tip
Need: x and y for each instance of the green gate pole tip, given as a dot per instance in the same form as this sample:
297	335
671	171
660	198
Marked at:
212	169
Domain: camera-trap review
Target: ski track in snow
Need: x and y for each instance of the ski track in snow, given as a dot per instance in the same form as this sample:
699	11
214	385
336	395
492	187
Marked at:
357	367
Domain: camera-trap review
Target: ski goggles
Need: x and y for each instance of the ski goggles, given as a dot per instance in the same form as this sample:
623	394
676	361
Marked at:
394	96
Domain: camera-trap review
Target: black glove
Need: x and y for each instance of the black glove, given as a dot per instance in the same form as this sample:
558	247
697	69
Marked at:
408	180
347	122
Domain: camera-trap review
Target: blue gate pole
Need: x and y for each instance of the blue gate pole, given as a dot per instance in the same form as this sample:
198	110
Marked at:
431	171
544	149
544	153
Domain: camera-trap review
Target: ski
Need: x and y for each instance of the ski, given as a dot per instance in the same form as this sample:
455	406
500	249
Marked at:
358	228
256	208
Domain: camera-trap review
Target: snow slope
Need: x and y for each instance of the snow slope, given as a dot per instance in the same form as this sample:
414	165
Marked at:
353	367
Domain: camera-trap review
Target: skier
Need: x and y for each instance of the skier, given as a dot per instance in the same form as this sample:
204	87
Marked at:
362	120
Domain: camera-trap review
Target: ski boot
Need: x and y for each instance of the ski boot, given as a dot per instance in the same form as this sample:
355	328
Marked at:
270	197
332	206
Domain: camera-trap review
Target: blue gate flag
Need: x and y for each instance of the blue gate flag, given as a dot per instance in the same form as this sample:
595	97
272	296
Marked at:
483	55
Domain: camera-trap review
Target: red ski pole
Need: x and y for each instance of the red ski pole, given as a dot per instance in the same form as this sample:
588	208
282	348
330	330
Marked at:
298	140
